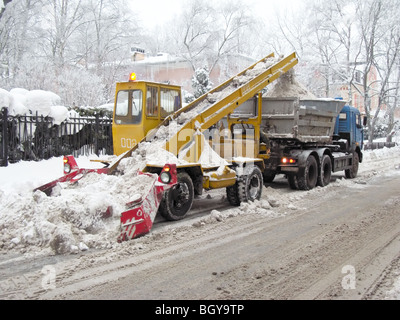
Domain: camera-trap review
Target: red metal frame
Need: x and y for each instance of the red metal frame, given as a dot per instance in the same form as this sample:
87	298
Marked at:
75	174
139	220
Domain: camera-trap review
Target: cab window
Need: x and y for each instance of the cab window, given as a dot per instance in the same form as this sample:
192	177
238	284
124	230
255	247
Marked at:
152	102
128	109
170	102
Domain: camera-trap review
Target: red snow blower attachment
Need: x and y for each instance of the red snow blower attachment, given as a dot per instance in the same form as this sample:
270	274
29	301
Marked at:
72	173
139	218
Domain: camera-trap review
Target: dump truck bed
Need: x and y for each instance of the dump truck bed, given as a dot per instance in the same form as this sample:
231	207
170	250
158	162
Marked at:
307	121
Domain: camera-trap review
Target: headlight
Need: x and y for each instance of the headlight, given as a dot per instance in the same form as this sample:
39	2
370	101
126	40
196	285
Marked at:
165	177
67	168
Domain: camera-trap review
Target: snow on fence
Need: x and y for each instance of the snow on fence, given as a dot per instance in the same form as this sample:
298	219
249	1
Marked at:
35	137
379	145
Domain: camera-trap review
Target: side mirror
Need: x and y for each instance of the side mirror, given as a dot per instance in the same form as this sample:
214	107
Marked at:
365	121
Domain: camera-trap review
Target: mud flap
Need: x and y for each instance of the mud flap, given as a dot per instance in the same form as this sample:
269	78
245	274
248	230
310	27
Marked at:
139	219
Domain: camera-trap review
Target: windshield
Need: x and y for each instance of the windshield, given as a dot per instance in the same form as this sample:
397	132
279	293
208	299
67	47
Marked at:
128	109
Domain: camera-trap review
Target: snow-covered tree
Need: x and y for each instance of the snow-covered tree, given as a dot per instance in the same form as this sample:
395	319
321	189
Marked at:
43	42
207	32
187	96
201	82
379	49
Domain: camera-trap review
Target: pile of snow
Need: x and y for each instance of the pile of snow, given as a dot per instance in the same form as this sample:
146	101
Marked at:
371	156
287	86
72	217
24	102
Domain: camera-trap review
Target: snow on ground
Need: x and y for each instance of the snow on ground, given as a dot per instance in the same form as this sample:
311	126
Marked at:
23	213
72	219
394	293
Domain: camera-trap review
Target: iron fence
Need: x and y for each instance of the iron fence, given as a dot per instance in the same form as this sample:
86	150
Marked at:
34	137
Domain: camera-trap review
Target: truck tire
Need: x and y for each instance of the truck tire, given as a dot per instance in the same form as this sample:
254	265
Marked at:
308	180
247	188
178	200
352	173
325	173
268	176
293	181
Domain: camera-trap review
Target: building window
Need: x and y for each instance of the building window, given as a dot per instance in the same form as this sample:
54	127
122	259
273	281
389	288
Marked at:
358	77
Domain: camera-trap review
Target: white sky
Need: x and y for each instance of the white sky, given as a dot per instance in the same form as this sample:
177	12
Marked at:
153	12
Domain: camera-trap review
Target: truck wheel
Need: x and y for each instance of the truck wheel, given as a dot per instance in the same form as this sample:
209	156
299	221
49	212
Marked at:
247	188
269	176
308	180
293	182
178	200
324	177
352	173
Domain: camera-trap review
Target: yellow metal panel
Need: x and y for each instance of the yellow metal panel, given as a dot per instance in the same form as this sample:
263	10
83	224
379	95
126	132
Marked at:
227	105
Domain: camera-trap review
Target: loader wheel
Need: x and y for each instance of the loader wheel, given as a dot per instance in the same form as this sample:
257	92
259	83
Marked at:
247	188
308	180
324	177
178	200
352	173
232	195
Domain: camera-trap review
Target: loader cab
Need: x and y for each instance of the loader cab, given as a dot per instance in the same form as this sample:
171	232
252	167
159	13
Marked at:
349	126
140	106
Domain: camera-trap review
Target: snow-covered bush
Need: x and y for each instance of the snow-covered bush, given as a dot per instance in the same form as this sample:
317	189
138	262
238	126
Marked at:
201	82
187	96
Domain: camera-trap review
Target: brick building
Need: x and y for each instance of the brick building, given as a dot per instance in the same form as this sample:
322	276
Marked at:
177	71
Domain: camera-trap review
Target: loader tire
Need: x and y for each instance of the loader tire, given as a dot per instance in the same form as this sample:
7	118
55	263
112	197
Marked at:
178	200
232	195
247	188
308	180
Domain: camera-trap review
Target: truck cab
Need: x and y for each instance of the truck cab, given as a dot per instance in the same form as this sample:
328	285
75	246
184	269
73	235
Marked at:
141	106
349	127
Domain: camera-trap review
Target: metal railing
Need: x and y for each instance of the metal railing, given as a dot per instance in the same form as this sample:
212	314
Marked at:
34	137
378	145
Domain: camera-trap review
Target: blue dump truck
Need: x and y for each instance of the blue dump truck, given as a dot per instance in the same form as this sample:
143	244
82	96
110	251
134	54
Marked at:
308	140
